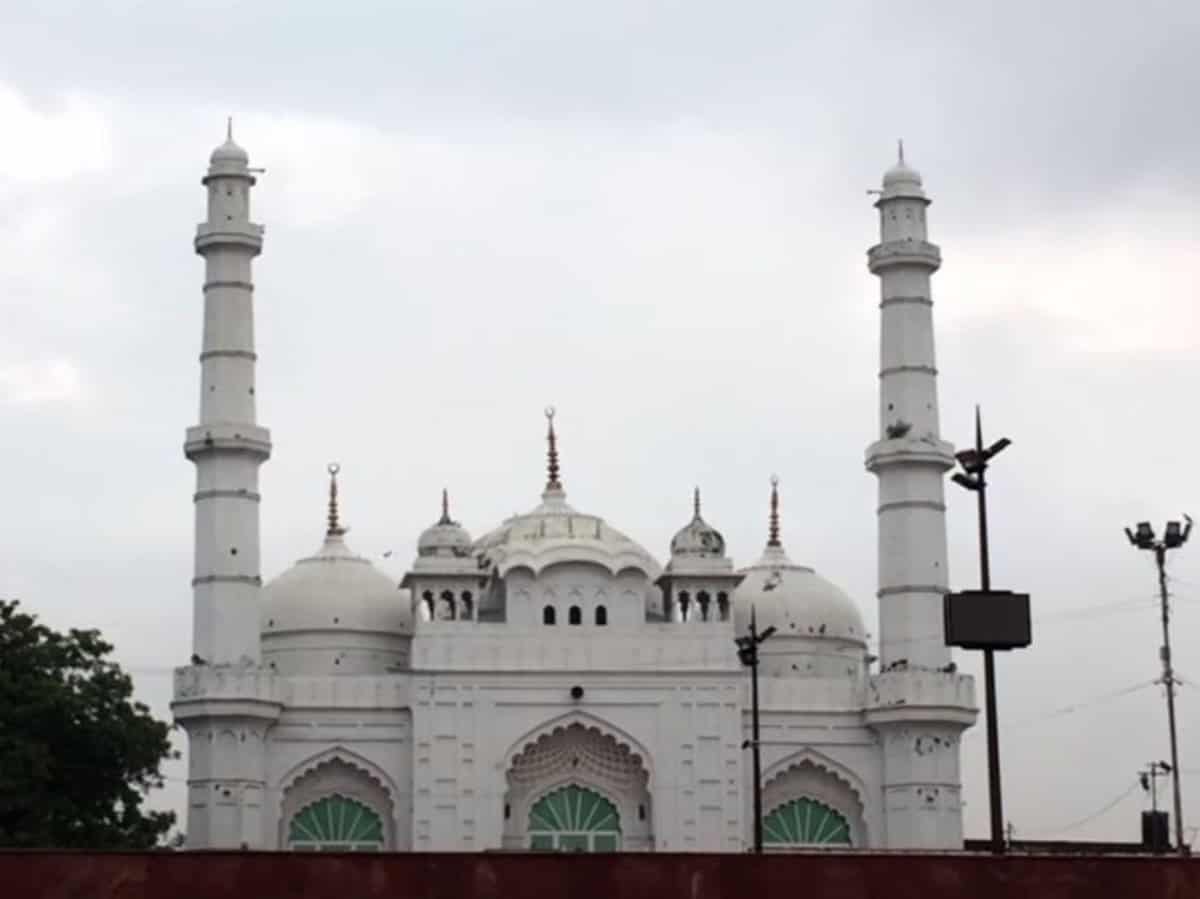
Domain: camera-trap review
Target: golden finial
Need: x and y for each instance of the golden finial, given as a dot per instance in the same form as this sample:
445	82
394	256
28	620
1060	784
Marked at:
335	529
552	480
773	532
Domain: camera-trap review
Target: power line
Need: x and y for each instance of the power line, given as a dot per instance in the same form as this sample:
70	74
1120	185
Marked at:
1107	807
1077	706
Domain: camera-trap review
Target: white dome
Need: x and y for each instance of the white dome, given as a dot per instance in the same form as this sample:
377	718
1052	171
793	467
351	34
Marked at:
697	538
445	537
334	589
553	533
796	601
229	152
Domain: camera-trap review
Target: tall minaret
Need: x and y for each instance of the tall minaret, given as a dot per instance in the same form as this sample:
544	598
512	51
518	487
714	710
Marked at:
225	700
228	445
918	707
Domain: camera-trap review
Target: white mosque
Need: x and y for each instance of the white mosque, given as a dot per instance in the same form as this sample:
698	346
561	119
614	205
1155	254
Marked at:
550	685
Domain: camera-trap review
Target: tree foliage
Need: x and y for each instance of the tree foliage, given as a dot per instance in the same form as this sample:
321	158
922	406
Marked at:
77	755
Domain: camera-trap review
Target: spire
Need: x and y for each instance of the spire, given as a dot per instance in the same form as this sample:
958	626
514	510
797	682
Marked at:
229	129
900	148
696	503
445	519
552	480
773	531
335	528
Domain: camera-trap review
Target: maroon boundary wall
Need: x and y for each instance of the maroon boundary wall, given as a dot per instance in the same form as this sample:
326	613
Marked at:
258	875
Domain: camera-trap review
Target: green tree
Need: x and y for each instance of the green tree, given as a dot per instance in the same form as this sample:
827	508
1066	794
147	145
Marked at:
77	756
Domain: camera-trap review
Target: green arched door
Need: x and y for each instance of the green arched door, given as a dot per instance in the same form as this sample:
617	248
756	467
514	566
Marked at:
805	822
336	824
574	819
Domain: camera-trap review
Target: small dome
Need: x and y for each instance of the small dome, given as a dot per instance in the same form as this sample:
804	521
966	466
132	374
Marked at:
334	590
819	631
698	537
334	612
229	152
796	601
445	537
901	180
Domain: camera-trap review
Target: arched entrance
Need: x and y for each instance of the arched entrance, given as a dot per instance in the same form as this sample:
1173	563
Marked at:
805	822
574	819
336	824
577	789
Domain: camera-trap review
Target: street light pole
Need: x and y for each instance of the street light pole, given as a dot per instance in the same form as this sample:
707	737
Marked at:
748	654
973	477
1175	537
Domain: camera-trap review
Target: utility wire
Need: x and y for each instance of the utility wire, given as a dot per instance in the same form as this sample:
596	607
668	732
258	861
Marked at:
1073	825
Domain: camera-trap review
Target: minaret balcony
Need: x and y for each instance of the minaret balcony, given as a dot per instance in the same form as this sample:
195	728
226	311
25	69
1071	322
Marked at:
243	691
909	450
227	437
224	234
910	253
914	694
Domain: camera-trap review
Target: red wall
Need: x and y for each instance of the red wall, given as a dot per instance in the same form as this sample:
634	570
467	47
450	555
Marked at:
182	875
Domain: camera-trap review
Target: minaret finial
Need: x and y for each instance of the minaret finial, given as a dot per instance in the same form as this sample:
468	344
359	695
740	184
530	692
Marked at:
900	146
696	502
445	519
229	129
552	479
773	531
335	528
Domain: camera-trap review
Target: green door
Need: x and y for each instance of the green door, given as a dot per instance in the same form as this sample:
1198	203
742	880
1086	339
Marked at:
574	819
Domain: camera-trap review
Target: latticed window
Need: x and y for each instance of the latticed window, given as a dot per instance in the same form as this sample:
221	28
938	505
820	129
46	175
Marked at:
336	824
805	822
574	819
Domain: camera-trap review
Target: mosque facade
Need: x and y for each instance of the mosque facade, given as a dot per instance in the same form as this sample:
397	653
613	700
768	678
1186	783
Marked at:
549	685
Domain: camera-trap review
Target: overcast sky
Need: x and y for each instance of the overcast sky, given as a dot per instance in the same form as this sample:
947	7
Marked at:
654	216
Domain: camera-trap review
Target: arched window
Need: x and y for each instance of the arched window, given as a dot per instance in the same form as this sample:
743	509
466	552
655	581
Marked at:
805	822
685	605
427	602
574	819
703	601
336	824
548	615
601	616
723	606
447	609
468	605
575	615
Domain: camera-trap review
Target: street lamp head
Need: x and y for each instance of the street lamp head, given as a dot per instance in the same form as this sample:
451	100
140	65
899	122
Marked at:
995	449
1143	537
969	459
1173	536
768	632
965	480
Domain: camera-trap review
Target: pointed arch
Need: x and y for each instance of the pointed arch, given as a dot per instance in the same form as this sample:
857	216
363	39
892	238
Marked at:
588	721
809	777
344	778
821	761
580	756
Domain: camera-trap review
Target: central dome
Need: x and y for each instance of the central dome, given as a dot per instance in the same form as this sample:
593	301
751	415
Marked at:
554	532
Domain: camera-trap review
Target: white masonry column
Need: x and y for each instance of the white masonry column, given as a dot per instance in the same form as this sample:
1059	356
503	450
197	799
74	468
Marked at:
227	446
917	705
225	700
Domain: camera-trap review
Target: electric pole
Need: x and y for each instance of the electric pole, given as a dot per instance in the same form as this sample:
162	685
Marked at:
1174	537
748	654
